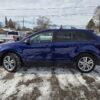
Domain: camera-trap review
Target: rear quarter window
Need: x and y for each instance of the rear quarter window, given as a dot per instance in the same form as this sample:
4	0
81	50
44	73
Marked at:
82	36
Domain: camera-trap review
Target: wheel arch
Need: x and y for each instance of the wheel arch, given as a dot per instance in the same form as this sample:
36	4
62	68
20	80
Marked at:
11	51
92	54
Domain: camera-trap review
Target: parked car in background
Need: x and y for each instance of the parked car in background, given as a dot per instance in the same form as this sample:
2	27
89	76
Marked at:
10	36
13	35
74	46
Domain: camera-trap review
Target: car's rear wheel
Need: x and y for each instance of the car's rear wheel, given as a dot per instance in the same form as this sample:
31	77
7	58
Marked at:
85	63
11	62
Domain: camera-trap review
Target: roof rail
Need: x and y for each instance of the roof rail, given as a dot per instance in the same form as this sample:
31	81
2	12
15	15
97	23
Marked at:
61	27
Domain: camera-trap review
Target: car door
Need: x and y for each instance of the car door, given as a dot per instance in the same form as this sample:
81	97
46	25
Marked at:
40	47
63	46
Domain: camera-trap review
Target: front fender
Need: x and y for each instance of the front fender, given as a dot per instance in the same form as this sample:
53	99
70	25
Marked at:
8	49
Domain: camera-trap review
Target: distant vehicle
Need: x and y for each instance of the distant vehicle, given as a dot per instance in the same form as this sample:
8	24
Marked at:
76	46
10	36
13	35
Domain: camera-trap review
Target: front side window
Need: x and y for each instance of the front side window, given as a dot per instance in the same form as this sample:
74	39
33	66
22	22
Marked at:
42	37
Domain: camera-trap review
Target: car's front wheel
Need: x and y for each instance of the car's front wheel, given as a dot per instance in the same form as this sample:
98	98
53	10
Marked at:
85	63
11	62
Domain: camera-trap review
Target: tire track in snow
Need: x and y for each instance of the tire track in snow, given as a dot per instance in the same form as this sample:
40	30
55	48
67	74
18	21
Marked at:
65	75
57	92
68	93
91	86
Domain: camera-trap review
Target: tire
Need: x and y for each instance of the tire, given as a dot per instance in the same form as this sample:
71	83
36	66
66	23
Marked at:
85	63
11	62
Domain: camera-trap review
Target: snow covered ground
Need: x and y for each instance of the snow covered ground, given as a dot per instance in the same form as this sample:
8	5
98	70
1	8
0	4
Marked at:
49	83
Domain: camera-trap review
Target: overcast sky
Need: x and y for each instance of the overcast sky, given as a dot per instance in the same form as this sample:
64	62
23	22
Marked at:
76	12
46	3
31	3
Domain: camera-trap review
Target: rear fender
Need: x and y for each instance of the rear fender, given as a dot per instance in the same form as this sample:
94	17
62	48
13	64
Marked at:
88	49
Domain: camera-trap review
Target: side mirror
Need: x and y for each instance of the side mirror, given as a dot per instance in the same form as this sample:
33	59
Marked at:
27	41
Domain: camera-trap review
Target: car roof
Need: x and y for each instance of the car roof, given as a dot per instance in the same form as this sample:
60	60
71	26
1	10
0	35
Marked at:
84	30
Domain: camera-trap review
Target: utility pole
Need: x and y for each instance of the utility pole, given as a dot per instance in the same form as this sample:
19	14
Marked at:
23	22
99	23
99	19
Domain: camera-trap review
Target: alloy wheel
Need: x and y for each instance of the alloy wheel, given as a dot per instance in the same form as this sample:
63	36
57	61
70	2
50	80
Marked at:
86	64
9	63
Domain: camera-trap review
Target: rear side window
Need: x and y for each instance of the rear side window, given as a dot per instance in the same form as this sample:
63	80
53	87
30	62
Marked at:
73	36
62	36
81	36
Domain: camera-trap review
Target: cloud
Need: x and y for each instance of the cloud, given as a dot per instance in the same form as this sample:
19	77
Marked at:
59	11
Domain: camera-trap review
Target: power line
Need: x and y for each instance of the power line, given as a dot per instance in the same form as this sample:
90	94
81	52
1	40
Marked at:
47	8
49	15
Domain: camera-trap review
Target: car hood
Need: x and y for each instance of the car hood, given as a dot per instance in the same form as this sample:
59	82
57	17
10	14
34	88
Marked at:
10	43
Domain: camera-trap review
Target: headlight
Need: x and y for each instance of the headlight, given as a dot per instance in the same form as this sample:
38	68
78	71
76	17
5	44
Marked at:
0	47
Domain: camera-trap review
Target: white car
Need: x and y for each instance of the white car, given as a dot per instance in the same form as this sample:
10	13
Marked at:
12	36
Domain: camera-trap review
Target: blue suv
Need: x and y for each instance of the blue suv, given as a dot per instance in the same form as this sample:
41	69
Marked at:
75	46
